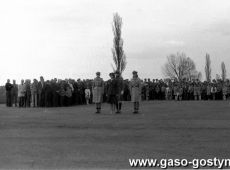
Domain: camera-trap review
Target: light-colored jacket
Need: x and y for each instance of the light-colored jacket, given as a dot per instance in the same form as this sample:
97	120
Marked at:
135	87
21	90
98	89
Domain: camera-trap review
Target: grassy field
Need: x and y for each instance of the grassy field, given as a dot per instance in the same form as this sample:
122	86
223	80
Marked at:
75	137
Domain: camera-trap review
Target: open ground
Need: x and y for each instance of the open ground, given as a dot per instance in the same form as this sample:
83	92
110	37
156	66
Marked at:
75	137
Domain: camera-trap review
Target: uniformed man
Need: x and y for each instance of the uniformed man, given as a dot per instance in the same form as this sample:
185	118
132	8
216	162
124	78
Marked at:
135	89
120	91
98	89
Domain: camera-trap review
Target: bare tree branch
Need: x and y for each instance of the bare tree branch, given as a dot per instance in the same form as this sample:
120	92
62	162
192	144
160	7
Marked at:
179	66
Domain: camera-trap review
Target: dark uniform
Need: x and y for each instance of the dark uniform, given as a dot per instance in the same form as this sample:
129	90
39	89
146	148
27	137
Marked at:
111	91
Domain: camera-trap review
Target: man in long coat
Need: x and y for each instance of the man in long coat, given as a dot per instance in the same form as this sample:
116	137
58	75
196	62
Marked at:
135	89
98	89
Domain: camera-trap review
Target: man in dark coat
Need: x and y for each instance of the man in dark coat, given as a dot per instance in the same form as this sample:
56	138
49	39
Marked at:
8	87
120	91
15	93
112	91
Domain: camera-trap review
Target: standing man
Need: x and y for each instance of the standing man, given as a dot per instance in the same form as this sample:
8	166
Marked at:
28	93
15	93
111	91
34	93
21	93
98	89
8	87
41	92
135	89
120	91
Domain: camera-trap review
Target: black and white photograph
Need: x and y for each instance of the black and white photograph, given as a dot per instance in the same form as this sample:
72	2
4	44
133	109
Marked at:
114	84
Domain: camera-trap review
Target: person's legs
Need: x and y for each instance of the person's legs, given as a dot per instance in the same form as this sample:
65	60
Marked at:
120	105
213	96
117	106
21	101
135	108
111	108
98	107
87	101
32	100
7	99
35	100
28	99
15	101
138	104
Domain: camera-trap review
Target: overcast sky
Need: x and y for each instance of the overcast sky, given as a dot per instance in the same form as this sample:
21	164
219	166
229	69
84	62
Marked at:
73	38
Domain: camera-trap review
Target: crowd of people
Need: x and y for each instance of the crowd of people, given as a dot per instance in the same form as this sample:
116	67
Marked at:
49	93
185	90
68	92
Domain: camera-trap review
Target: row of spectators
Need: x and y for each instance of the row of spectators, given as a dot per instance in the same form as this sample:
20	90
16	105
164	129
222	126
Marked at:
185	90
68	92
50	93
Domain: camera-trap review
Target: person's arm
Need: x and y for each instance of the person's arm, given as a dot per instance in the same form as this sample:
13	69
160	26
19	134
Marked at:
122	87
103	86
140	86
93	85
130	86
